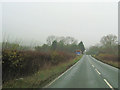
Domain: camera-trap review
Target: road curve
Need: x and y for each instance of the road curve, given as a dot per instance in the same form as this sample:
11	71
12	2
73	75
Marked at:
87	73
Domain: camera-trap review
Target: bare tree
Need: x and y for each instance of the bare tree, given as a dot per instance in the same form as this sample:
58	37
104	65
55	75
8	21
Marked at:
50	39
109	40
70	40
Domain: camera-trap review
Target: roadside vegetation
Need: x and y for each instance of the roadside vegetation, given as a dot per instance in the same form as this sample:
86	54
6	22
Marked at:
42	77
107	50
24	66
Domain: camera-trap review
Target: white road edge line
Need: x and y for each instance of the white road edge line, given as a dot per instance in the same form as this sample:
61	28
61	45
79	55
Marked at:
108	84
60	75
98	71
92	65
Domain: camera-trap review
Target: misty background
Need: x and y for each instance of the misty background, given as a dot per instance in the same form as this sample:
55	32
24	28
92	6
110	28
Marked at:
34	22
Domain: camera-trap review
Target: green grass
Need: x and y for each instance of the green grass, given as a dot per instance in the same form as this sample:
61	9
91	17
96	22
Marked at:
42	77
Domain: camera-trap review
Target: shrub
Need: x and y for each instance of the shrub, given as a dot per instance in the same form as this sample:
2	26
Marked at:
23	63
11	62
108	57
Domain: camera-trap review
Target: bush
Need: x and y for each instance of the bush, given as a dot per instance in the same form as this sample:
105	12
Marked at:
108	57
11	62
57	57
22	63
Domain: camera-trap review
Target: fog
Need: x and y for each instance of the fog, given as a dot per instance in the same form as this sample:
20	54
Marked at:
84	21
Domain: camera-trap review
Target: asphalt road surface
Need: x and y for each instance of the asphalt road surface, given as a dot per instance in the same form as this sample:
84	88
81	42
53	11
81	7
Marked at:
87	73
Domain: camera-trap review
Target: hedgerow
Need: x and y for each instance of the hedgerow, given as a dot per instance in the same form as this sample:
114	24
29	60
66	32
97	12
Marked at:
22	63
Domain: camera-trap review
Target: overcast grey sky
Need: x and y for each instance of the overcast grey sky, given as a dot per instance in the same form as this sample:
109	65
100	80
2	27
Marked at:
85	21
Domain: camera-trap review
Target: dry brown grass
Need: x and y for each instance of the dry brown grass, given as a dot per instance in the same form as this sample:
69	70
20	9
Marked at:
110	59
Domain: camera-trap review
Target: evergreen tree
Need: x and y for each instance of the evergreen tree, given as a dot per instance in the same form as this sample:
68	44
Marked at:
81	46
54	45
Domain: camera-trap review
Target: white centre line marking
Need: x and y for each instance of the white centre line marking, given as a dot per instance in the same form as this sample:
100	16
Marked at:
92	65
98	71
108	84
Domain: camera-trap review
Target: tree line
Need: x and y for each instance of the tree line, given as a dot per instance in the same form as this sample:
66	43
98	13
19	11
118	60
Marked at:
107	51
19	61
108	45
66	44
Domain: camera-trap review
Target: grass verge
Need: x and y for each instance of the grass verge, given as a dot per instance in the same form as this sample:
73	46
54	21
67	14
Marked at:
42	77
109	62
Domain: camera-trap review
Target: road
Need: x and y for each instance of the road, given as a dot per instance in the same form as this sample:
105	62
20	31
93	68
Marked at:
87	73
